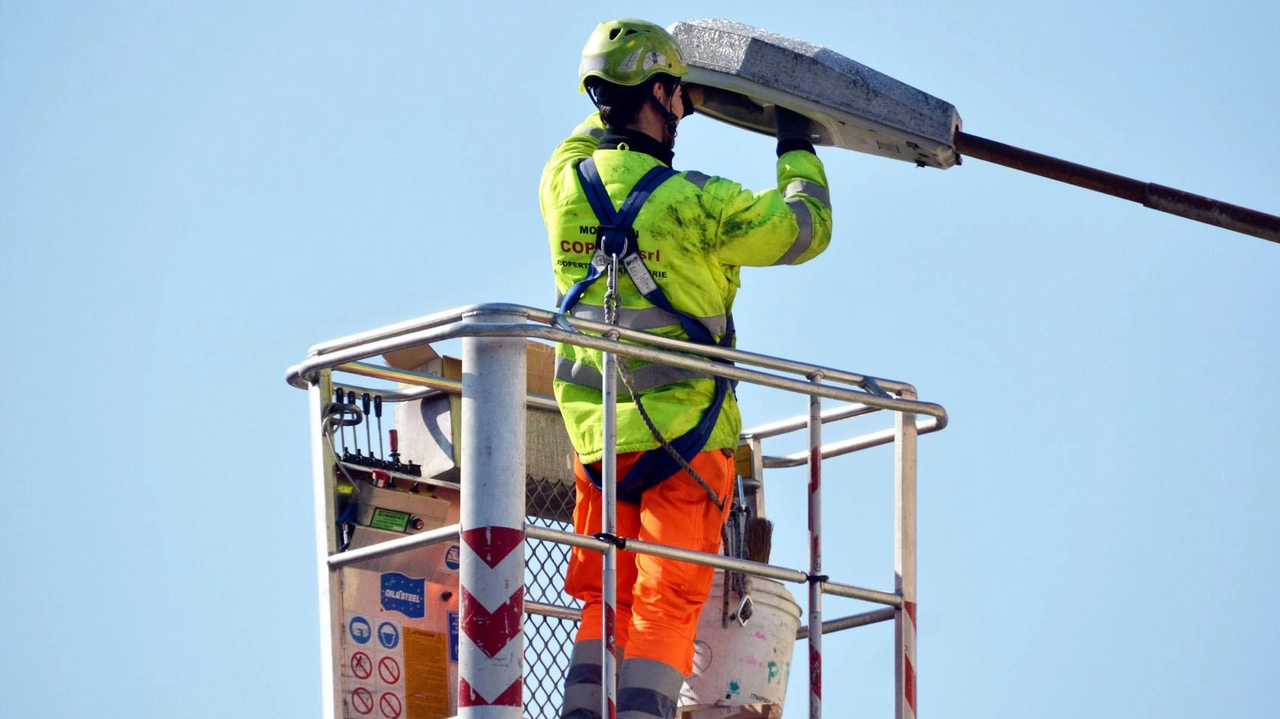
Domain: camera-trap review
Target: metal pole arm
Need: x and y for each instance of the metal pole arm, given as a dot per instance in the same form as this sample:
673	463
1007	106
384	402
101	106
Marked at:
1149	194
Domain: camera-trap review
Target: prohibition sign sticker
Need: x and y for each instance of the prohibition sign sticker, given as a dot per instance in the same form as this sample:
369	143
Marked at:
389	670
390	705
362	700
361	665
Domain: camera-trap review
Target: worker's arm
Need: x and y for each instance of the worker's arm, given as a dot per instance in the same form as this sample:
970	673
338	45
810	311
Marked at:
786	226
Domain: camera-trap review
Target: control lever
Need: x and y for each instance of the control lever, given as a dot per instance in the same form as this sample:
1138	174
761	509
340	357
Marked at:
355	436
365	405
338	399
377	412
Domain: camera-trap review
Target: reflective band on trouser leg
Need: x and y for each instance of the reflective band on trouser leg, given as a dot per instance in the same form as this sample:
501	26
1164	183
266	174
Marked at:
648	689
669	594
582	683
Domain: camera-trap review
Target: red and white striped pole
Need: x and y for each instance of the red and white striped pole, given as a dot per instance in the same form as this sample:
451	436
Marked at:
815	552
904	561
491	641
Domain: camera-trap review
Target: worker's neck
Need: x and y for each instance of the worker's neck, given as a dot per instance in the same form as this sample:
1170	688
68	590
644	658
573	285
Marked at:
650	124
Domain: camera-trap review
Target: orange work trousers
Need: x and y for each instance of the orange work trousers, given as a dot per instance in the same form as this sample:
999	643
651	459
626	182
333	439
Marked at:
659	599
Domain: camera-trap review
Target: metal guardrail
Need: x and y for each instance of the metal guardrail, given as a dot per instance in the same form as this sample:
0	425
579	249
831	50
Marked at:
873	392
864	394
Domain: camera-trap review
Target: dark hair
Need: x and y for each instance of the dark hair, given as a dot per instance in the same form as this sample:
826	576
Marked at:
620	105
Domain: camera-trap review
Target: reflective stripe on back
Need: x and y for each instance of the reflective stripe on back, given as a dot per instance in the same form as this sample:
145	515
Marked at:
645	378
649	318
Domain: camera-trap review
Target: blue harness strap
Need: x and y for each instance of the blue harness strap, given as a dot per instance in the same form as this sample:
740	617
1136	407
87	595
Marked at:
616	236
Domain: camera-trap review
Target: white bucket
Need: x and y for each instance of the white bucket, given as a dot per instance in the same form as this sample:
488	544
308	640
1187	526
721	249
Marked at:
742	666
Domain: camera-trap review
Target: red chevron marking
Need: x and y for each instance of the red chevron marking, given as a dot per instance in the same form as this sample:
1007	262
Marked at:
512	696
491	631
493	544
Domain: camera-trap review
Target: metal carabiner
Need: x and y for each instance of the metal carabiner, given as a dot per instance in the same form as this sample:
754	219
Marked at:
745	609
611	292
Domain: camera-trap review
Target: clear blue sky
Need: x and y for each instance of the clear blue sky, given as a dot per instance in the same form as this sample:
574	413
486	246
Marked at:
191	194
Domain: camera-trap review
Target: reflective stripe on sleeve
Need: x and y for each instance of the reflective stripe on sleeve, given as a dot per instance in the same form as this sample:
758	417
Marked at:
697	178
812	189
645	378
804	238
587	129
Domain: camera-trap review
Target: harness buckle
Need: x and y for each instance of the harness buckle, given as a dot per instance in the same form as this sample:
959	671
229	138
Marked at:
614	240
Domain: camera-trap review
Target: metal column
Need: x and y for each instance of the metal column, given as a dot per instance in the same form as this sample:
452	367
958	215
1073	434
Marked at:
904	562
815	552
609	526
324	488
491	641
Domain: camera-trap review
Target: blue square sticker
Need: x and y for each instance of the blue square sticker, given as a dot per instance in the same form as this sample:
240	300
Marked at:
404	594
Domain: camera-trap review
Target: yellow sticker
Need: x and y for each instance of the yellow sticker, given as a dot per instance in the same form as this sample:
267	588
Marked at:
426	674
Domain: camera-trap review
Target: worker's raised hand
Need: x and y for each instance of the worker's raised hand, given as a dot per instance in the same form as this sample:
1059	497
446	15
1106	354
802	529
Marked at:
790	125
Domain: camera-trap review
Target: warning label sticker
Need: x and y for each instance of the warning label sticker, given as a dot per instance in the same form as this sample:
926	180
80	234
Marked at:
399	637
361	665
389	670
427	678
374	672
361	702
391	705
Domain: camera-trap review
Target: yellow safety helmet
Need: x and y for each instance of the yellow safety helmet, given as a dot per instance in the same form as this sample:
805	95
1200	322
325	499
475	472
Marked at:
628	52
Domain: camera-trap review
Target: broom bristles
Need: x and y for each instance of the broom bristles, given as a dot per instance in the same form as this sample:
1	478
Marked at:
759	539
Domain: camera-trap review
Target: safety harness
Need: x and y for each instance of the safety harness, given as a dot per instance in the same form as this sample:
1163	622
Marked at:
616	238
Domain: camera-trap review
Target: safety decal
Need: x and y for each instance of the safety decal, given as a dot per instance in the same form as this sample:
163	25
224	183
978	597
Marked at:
360	630
451	557
389	670
390	705
362	701
404	595
388	635
361	665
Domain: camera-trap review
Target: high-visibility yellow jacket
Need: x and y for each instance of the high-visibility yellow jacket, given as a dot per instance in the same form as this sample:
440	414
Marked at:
695	232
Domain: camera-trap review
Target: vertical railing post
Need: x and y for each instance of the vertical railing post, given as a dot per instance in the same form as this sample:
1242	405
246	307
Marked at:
324	490
491	641
609	526
815	552
904	562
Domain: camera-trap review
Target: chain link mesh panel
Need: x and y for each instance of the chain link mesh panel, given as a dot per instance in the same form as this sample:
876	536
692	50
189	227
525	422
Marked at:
548	640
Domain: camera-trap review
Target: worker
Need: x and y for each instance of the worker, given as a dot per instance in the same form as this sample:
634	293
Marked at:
691	234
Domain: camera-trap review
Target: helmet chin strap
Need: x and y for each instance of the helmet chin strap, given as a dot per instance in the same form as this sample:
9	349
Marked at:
671	121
